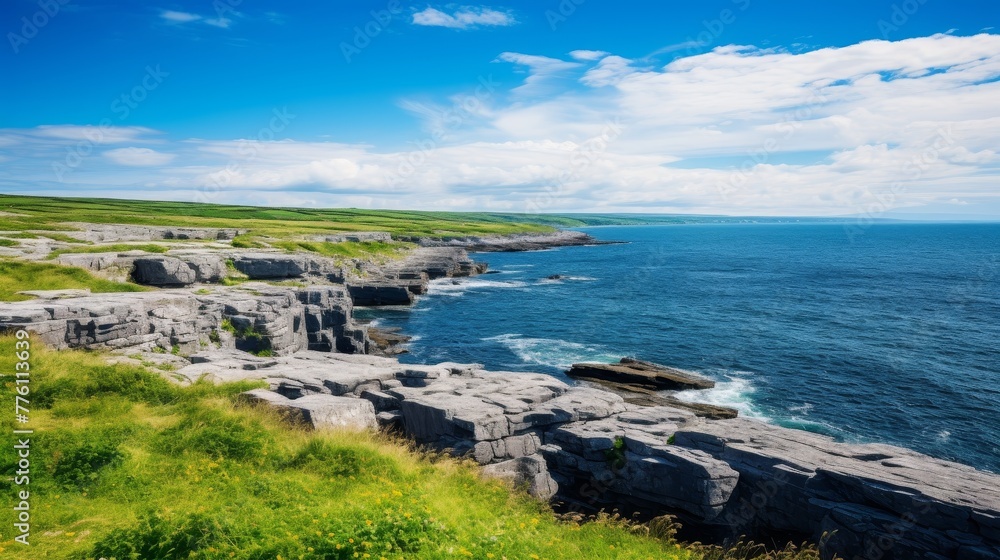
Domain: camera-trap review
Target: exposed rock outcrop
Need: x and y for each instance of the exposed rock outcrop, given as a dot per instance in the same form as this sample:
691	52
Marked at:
398	282
116	233
172	271
356	236
508	243
381	293
279	266
279	320
641	374
730	477
320	411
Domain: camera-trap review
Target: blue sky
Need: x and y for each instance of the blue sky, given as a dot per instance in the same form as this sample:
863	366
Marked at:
731	106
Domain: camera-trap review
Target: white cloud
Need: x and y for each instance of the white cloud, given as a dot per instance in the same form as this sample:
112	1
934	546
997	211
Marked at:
90	133
222	22
179	17
139	157
542	71
871	127
588	55
187	17
466	17
609	71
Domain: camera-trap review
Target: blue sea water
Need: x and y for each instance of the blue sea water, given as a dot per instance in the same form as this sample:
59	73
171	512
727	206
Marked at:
889	334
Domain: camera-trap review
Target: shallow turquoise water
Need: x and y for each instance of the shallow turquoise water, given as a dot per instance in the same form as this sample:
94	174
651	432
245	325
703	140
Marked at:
892	335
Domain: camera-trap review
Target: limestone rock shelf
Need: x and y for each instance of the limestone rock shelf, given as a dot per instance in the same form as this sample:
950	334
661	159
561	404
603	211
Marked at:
588	447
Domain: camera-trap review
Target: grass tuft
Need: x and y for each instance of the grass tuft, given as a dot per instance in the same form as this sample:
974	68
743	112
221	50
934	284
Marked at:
112	248
347	249
16	276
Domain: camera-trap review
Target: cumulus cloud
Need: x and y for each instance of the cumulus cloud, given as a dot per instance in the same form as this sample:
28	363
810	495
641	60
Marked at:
465	17
865	128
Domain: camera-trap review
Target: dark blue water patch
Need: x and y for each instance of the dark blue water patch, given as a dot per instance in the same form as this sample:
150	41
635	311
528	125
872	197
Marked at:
889	336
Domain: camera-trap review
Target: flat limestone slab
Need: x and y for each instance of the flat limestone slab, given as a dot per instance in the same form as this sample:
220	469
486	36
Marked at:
321	411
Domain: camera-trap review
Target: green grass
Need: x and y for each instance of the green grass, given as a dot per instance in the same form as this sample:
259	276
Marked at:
64	238
8	243
16	276
112	248
125	464
246	242
348	249
51	213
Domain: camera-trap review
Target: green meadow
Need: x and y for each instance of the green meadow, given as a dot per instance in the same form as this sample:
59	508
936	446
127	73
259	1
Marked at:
52	214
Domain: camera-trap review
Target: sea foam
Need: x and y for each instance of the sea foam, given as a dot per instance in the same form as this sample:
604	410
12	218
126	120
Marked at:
551	352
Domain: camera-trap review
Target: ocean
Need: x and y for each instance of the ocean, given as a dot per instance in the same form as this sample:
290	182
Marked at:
888	333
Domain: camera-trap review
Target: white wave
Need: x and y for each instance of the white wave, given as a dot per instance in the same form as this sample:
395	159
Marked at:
943	435
550	352
567	279
736	392
454	287
804	408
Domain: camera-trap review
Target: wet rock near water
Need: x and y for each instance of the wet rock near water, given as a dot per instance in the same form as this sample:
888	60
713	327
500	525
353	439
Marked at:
387	341
641	374
399	282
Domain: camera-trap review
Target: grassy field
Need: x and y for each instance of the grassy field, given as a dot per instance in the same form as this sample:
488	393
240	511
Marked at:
47	213
17	276
348	249
125	465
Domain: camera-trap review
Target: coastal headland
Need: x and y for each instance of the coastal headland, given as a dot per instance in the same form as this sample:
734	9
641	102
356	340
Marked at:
217	304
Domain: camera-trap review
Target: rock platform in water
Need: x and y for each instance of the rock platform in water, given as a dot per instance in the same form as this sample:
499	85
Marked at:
644	375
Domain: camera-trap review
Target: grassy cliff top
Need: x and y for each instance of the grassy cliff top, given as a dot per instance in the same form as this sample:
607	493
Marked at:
18	213
125	464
